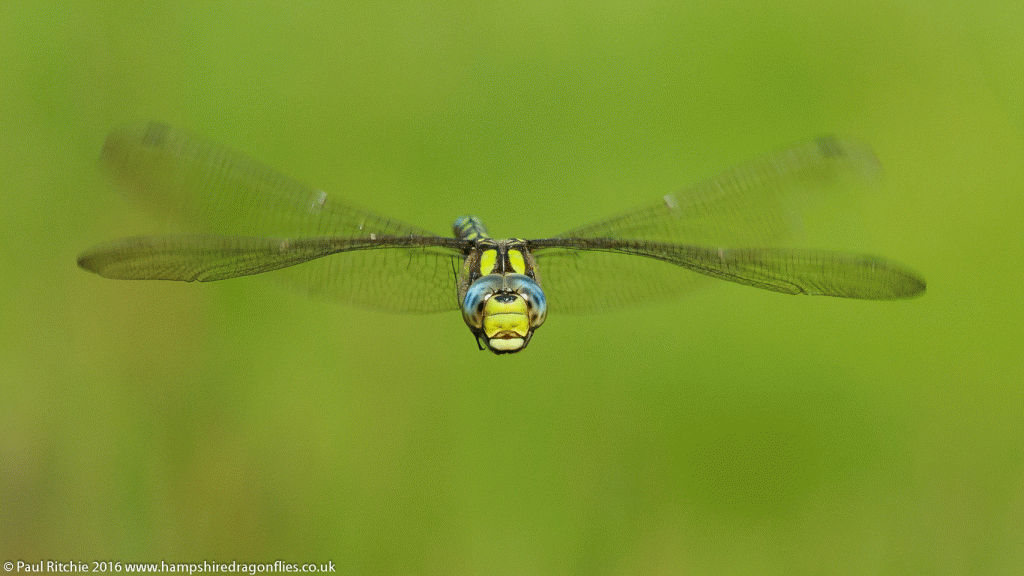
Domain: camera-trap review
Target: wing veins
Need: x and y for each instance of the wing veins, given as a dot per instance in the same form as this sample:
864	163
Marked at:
786	270
206	258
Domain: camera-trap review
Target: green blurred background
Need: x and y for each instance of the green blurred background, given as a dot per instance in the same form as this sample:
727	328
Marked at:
731	432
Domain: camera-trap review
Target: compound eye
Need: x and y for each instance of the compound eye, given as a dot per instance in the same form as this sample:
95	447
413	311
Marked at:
536	302
476	299
473	305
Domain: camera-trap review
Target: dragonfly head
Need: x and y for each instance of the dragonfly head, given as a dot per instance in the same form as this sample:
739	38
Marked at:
503	310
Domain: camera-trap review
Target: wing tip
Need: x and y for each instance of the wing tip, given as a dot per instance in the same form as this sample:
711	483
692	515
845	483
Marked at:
858	154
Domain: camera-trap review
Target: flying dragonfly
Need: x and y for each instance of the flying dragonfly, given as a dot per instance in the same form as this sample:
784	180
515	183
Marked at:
250	219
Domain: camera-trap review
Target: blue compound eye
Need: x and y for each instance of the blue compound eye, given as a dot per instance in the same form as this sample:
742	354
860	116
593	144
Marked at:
476	299
473	305
536	302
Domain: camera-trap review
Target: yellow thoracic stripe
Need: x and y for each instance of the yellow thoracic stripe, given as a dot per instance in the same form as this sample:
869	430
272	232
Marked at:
487	261
516	261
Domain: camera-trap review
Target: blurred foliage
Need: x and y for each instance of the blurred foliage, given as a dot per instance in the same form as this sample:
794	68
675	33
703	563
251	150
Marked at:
732	432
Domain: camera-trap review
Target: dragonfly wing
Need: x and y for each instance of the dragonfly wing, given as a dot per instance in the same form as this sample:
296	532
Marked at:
790	271
753	204
257	220
591	282
411	279
213	189
394	274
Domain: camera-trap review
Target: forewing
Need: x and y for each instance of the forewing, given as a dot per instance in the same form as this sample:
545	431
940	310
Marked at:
247	213
378	275
785	270
753	205
210	188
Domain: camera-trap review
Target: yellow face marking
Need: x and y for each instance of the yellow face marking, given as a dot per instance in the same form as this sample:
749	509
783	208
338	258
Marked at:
515	259
487	260
507	344
506	317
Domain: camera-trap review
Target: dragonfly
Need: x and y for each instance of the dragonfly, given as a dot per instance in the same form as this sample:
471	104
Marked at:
245	219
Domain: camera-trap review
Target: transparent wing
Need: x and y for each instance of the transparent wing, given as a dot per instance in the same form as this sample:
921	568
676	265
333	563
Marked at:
751	206
790	271
210	188
266	222
397	263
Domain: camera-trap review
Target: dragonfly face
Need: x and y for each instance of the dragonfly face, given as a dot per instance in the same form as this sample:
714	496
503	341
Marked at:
502	311
248	219
500	294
